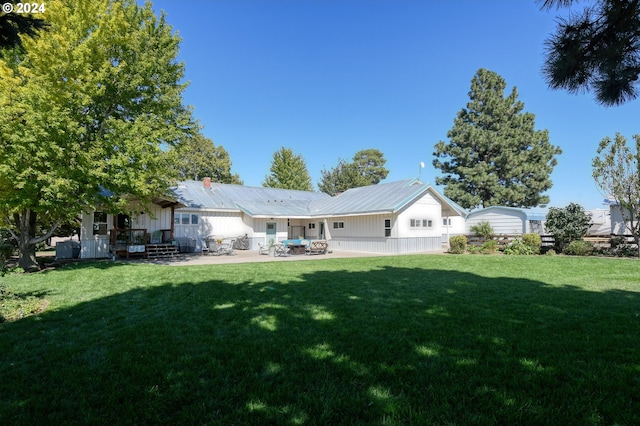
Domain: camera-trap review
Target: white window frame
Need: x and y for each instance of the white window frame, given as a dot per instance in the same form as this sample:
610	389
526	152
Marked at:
192	219
421	223
338	224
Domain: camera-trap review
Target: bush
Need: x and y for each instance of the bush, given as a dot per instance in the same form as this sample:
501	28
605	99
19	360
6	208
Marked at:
579	248
567	224
489	247
457	244
518	247
534	241
484	230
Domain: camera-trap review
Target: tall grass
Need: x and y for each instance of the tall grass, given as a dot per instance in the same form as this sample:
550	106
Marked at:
389	340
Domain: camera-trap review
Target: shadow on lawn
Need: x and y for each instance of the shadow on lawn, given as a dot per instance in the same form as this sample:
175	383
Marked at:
389	346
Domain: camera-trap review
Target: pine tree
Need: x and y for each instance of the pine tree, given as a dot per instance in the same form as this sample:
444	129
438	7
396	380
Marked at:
367	168
288	171
596	50
495	156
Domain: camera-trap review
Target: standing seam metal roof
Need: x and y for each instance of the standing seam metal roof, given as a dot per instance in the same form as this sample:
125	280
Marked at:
259	201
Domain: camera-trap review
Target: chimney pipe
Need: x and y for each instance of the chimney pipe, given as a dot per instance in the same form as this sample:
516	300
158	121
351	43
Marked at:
207	182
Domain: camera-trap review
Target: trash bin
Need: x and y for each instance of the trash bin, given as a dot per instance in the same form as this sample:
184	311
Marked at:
67	250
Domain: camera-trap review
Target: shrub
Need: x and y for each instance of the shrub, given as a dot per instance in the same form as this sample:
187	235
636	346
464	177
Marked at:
457	244
518	247
567	224
579	248
484	230
489	247
534	241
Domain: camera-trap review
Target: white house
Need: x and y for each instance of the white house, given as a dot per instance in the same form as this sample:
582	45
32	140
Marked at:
398	217
508	220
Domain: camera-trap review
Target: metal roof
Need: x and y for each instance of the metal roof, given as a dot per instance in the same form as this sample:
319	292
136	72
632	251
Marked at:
529	214
253	200
274	202
380	198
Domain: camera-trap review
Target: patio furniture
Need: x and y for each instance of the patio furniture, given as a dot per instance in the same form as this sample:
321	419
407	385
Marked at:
263	249
281	250
296	246
205	246
318	247
224	247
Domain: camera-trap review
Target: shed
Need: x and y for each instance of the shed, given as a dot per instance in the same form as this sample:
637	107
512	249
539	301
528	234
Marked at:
508	220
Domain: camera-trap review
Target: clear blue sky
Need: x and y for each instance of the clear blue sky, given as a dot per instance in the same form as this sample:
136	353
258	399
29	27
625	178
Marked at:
328	78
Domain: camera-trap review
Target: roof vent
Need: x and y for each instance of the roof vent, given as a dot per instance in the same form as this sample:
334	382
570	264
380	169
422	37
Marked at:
207	182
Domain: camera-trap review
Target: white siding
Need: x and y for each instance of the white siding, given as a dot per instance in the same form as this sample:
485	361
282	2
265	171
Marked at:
222	224
93	246
618	225
426	208
502	221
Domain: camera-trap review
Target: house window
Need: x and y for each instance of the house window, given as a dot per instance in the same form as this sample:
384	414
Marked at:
421	223
312	226
99	223
185	219
338	225
387	227
446	221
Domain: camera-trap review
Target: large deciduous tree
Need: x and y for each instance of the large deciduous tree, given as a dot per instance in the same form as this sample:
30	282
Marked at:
288	171
494	155
598	49
367	168
84	112
195	157
616	171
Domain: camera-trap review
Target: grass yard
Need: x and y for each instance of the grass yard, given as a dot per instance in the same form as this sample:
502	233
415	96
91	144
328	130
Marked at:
442	339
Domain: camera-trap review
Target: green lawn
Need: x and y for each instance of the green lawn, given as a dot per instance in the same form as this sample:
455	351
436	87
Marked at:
442	339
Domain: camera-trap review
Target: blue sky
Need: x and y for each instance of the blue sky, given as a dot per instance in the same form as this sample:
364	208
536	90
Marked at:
328	78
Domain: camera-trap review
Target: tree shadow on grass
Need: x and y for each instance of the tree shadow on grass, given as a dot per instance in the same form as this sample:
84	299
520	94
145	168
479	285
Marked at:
386	346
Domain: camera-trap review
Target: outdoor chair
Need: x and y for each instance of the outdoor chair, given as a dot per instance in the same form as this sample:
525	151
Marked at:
263	249
226	247
281	250
205	246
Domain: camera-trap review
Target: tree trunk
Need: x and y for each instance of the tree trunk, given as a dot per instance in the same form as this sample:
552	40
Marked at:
25	224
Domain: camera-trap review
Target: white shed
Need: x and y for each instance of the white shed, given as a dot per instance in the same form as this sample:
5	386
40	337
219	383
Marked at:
508	220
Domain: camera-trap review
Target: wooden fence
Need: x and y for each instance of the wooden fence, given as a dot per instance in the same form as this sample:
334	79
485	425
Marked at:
598	241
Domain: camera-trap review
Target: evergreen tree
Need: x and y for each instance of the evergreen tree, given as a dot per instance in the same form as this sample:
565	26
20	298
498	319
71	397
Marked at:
197	156
370	165
596	50
288	171
340	178
84	113
495	156
366	169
